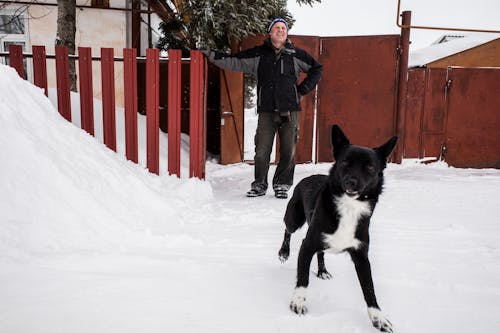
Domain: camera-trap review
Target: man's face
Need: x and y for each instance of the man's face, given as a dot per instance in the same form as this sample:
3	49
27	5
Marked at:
278	34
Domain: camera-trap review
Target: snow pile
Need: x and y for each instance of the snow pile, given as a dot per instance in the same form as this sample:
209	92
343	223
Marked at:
90	242
61	189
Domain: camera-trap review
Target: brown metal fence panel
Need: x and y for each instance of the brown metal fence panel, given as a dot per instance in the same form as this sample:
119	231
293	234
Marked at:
434	117
414	113
130	84
197	115
231	114
40	68
86	90
108	97
306	127
174	111
473	124
63	84
16	58
357	90
152	110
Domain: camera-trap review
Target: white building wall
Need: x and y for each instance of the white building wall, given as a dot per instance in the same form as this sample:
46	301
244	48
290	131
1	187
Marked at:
96	28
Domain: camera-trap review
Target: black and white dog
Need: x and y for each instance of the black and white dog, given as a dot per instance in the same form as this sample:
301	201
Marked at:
338	208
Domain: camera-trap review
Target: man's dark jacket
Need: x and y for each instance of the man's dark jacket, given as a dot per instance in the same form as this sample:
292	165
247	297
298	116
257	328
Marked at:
277	73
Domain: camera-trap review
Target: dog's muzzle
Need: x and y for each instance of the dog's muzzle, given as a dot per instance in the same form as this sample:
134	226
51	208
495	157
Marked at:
351	187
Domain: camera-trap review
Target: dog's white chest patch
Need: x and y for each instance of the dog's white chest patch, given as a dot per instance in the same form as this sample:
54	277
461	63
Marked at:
350	211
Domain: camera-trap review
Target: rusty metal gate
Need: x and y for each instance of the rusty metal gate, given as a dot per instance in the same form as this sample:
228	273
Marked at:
304	152
358	90
454	114
473	124
425	113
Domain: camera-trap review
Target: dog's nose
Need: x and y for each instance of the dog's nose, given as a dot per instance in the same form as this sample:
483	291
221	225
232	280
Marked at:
351	183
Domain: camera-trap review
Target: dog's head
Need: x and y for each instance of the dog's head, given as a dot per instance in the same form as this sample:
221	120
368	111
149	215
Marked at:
358	171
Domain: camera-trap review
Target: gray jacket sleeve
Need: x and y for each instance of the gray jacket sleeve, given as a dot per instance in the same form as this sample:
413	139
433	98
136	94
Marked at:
246	61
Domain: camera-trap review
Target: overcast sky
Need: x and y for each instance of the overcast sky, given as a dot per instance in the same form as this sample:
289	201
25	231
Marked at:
372	17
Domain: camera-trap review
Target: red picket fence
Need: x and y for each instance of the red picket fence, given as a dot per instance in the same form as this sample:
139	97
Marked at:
198	77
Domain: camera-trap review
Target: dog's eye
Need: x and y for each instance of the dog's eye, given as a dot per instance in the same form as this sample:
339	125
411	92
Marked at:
370	168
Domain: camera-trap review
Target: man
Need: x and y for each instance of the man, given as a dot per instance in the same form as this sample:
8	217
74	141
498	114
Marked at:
276	65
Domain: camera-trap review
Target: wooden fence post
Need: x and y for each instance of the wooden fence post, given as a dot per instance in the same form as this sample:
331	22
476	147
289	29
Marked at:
108	97
16	58
197	121
40	68
174	111
130	84
86	91
152	109
63	84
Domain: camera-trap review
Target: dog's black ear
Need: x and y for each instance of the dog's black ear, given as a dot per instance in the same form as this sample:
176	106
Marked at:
385	150
339	140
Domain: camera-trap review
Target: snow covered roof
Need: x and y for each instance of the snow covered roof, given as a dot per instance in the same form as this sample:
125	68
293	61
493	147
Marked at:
447	38
448	45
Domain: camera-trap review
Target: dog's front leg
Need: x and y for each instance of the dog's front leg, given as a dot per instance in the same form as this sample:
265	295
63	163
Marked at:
363	270
298	303
284	251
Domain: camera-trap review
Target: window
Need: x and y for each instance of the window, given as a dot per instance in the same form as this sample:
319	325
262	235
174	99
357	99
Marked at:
12	24
13	31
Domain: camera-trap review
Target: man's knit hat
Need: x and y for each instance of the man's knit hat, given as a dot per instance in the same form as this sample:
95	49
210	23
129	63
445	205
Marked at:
276	20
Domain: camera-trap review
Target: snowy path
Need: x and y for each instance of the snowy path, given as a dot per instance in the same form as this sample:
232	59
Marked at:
435	261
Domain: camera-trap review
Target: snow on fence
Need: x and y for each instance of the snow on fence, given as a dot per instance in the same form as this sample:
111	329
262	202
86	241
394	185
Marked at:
197	116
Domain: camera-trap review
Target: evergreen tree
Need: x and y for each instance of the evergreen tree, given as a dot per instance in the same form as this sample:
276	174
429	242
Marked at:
218	23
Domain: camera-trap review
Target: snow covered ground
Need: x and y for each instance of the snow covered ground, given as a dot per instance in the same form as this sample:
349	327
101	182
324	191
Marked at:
92	243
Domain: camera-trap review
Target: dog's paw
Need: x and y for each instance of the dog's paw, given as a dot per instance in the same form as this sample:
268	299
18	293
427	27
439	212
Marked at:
324	274
298	303
379	321
283	259
298	307
283	255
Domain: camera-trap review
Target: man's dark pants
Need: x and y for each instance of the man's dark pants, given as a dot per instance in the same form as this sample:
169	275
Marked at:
288	130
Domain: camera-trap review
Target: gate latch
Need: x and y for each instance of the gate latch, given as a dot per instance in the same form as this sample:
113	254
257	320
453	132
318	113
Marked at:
448	83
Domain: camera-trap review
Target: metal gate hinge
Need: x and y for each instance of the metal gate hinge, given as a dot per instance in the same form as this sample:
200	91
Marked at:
448	83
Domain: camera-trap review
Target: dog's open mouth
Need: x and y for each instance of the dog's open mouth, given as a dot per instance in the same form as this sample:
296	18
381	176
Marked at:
351	193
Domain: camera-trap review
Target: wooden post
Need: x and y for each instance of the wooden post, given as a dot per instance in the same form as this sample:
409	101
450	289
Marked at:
197	117
16	58
40	68
108	97
86	91
130	84
63	83
152	109
174	111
